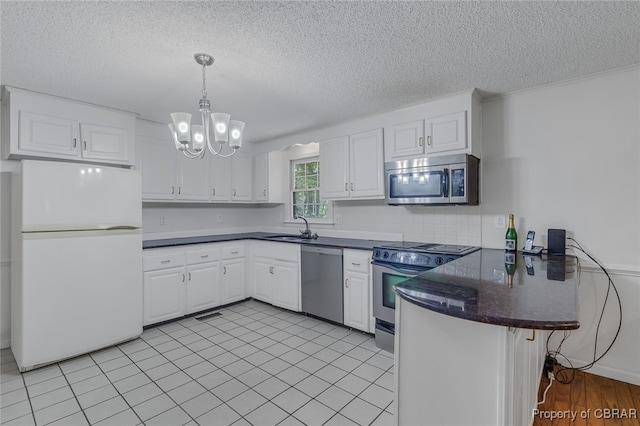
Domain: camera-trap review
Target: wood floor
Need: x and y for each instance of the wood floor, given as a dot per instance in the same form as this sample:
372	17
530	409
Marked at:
593	399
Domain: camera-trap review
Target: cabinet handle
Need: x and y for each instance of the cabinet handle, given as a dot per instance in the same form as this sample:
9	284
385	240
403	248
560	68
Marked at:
346	186
213	191
264	192
85	145
533	336
346	283
234	192
204	256
182	277
429	140
420	141
352	186
271	269
224	270
173	189
179	190
355	264
189	276
234	252
75	142
165	261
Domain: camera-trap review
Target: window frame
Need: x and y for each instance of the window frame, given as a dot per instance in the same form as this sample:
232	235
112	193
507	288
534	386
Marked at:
290	203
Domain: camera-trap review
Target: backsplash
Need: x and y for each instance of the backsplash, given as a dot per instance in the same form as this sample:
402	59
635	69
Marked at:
361	219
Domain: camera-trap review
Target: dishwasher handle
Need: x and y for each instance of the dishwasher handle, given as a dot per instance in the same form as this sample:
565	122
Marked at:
331	251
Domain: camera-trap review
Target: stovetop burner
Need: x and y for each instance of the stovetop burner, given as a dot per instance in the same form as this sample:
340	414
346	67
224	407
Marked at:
420	254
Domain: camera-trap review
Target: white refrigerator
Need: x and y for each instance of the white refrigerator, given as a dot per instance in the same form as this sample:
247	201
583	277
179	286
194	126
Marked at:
76	269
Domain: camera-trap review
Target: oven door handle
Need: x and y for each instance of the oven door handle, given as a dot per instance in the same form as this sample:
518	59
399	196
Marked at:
404	270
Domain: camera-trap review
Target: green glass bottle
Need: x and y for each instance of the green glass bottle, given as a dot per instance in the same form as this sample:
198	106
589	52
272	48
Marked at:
511	238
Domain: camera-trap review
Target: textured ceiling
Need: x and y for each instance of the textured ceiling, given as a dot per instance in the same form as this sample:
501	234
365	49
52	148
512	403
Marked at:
284	67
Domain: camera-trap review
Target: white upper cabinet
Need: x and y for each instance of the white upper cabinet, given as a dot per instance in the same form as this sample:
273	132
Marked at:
445	126
352	166
241	177
193	178
157	160
406	139
43	126
219	178
270	173
446	133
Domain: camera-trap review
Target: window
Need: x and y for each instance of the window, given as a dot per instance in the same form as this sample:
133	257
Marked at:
305	193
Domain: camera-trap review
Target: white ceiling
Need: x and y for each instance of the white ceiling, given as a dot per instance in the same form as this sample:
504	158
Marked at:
285	67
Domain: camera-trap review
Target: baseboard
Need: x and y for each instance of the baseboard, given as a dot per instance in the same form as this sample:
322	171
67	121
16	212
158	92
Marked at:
609	372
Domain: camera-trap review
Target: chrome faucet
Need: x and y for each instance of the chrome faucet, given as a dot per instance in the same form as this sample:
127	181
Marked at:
307	232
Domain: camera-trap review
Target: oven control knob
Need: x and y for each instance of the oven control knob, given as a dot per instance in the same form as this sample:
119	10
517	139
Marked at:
450	259
439	260
385	254
376	253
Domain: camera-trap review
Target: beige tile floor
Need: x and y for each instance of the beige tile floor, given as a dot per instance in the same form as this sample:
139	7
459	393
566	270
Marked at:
252	365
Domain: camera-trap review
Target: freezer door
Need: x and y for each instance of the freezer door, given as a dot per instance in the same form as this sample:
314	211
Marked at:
58	196
77	294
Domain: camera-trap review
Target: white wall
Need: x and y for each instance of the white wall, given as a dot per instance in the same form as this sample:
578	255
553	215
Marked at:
568	156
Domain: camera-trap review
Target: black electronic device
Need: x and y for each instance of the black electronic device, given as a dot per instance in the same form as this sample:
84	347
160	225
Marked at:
556	242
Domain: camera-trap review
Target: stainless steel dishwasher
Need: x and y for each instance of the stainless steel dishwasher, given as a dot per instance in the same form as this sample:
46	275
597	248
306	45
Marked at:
321	271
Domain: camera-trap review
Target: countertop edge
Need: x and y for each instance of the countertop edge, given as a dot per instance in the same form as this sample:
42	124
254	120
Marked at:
500	321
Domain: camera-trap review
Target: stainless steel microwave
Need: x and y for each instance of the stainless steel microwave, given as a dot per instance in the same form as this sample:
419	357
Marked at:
449	179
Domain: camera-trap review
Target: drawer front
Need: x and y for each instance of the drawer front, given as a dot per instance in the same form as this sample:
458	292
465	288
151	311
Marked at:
277	250
357	260
231	252
203	255
162	259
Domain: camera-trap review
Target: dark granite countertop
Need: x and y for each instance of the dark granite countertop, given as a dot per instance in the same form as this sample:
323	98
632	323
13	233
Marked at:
349	243
544	294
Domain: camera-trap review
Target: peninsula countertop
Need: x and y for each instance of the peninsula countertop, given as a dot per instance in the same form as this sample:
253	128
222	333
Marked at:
544	293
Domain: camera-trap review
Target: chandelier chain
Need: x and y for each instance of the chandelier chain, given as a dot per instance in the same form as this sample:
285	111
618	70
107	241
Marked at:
204	79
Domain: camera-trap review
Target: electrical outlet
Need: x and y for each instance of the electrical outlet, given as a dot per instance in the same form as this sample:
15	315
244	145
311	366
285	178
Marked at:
163	220
339	219
219	218
500	221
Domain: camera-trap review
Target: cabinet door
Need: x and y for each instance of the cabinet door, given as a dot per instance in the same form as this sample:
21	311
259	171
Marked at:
241	177
232	282
261	177
157	162
193	180
104	143
405	140
334	168
446	132
356	300
286	285
219	178
41	133
203	289
366	165
164	295
262	271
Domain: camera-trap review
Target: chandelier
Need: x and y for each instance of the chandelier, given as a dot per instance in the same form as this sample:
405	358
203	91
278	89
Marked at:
191	139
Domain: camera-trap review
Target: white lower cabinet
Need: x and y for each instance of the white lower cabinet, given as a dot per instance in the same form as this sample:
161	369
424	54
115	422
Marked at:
276	274
233	274
357	289
506	361
186	279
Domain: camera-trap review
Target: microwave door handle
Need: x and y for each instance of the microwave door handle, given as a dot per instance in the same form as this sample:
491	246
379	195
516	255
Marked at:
445	183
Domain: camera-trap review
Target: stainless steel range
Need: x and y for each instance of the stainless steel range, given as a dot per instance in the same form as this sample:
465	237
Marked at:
395	263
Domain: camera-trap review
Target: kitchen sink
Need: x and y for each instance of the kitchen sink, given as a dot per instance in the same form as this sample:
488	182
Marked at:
288	238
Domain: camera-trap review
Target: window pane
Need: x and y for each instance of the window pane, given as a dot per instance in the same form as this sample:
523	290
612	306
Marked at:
312	181
309	210
297	210
300	182
300	169
312	168
298	197
309	197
